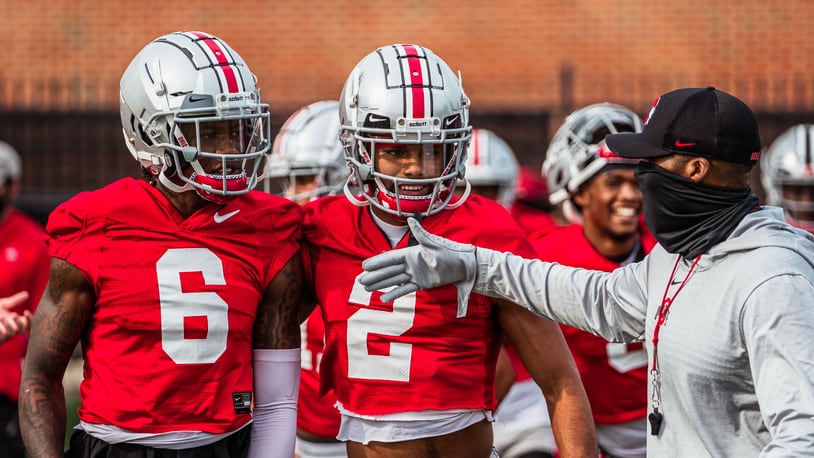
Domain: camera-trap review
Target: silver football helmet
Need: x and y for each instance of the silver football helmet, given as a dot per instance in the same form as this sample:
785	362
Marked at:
573	156
173	95
787	174
10	163
403	94
308	146
490	161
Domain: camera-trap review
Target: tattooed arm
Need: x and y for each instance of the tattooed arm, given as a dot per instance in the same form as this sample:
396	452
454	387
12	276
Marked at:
542	348
277	365
55	330
277	322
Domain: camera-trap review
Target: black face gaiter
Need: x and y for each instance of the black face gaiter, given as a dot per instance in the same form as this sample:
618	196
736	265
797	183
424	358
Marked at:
688	217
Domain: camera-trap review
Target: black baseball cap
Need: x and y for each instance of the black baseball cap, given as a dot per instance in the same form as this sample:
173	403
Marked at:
702	122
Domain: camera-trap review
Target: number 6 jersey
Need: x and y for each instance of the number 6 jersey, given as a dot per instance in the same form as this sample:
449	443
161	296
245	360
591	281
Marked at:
169	340
412	354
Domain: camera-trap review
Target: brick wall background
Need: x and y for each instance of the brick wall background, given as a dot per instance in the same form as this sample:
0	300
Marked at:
525	63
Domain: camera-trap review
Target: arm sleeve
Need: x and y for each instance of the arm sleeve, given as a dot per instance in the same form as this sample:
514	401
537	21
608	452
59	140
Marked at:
609	305
276	387
778	330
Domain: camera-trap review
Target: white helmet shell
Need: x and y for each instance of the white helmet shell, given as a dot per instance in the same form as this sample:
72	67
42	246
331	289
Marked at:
573	154
490	161
789	160
308	144
403	94
187	78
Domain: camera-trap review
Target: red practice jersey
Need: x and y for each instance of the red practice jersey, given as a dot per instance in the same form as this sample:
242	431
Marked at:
316	413
24	266
168	346
532	220
412	354
614	374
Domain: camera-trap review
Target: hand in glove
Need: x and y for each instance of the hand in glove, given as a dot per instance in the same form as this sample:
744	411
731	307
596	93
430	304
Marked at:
435	261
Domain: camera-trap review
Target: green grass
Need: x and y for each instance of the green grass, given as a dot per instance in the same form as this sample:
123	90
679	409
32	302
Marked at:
71	404
73	376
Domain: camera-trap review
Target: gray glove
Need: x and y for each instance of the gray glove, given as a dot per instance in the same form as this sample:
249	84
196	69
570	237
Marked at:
435	261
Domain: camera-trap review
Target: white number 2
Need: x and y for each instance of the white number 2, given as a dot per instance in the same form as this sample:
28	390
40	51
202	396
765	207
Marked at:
623	359
177	305
392	366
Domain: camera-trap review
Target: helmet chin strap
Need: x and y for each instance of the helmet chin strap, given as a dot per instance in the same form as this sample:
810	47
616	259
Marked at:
169	184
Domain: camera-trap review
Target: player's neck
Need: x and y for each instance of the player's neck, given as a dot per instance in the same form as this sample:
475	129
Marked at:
393	232
186	203
615	248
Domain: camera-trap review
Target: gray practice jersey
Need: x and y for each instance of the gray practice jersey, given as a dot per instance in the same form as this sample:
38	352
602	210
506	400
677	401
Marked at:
736	350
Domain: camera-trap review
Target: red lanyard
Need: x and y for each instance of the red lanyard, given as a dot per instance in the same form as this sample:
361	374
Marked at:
666	302
656	417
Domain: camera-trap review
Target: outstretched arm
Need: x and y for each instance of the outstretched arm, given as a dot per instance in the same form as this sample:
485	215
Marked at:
13	323
56	328
609	305
543	350
436	261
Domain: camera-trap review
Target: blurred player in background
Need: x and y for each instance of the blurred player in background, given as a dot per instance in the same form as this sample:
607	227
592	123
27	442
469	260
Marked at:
601	196
184	287
307	162
24	264
531	208
416	378
491	167
522	426
787	175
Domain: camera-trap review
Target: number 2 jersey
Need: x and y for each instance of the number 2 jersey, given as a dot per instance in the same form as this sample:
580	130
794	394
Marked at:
168	345
614	374
412	354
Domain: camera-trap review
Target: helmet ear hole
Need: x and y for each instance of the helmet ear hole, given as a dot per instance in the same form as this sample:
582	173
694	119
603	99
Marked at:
190	153
365	172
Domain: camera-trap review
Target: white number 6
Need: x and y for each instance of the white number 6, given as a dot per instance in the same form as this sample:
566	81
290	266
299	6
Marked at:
176	305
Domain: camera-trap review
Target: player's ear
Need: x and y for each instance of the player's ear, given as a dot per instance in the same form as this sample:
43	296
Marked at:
580	198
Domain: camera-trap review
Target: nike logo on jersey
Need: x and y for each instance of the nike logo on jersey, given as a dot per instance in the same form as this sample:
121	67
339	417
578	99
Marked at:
221	218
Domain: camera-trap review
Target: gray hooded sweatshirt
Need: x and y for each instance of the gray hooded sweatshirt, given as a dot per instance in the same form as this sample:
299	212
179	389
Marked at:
736	350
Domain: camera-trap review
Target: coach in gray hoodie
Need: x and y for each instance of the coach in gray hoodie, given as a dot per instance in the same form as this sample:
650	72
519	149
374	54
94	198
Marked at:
724	303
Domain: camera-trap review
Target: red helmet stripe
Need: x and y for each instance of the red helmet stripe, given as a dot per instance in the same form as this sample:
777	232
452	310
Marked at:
223	63
476	149
416	80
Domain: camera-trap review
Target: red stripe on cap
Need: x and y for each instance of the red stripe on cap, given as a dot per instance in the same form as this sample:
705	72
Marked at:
416	80
224	65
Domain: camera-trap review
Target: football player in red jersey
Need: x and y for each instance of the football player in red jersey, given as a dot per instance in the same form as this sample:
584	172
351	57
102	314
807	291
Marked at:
602	198
24	267
416	378
522	426
306	163
184	287
531	207
787	175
